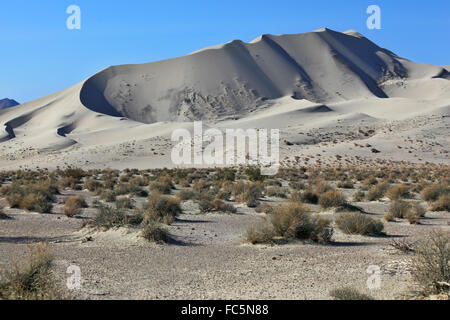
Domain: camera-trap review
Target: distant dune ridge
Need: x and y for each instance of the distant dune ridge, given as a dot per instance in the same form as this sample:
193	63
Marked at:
268	78
8	103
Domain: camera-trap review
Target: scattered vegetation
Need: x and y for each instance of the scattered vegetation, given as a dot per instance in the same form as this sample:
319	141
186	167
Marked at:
357	223
31	279
348	294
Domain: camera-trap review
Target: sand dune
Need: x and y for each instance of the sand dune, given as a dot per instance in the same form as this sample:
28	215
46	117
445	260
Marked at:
294	82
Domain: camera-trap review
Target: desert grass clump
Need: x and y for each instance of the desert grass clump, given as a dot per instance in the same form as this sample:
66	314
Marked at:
357	223
276	191
294	221
433	192
73	206
260	234
36	197
93	185
398	192
155	232
68	182
377	191
186	194
401	209
309	197
349	294
109	217
442	204
124	203
332	199
162	185
221	206
248	193
346	184
108	196
359	196
432	264
31	279
161	208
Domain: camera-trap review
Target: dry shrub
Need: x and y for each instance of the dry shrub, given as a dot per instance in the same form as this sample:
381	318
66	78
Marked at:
332	199
3	215
31	279
161	208
219	205
400	209
377	191
93	185
108	196
185	195
434	191
35	197
359	196
432	263
155	232
295	221
309	197
348	294
108	218
73	206
162	185
357	223
248	193
276	191
397	192
442	204
68	182
260	234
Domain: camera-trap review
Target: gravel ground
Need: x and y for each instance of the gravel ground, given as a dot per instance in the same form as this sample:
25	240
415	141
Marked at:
207	258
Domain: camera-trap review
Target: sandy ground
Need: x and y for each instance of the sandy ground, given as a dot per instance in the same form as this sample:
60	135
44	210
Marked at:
207	257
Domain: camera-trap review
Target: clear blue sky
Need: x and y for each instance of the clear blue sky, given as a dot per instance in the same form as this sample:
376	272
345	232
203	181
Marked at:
39	55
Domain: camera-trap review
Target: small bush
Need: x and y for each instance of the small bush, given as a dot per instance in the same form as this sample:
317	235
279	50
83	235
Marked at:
433	192
332	199
347	184
108	196
359	196
348	294
432	263
73	206
248	193
93	185
260	234
154	232
442	204
31	279
219	205
398	192
124	203
357	223
275	191
377	192
108	218
405	210
161	208
310	197
68	182
185	195
295	221
162	185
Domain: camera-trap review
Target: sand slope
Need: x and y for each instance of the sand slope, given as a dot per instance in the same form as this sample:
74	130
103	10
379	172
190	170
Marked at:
297	83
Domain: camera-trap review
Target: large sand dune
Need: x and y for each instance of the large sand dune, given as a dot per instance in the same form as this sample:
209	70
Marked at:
299	83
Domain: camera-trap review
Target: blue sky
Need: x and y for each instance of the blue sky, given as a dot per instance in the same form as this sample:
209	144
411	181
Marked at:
39	55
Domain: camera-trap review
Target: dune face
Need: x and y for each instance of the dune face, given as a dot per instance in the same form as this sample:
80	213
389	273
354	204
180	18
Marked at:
317	87
235	78
8	103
